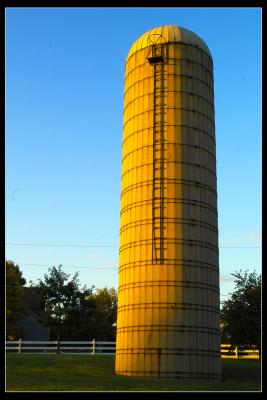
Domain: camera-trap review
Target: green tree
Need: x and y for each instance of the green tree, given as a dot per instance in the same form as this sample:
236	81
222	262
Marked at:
77	314
63	299
241	314
104	317
95	318
16	308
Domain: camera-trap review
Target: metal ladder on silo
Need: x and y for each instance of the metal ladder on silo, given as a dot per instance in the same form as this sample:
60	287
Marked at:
159	155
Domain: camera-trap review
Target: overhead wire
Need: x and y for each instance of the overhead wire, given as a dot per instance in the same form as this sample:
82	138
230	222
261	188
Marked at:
57	245
64	266
114	246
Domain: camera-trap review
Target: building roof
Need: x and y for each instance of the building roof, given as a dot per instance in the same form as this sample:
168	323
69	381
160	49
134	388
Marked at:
167	34
33	301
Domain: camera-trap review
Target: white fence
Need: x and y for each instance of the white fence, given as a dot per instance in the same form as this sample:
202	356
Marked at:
96	347
74	347
227	351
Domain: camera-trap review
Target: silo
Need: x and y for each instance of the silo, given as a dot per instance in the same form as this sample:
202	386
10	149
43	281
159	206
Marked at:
168	293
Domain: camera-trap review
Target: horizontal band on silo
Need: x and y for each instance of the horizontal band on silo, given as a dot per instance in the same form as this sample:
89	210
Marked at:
177	181
168	200
197	68
168	283
169	125
170	162
208	66
171	304
181	76
169	328
169	374
175	351
194	111
180	92
178	144
174	262
162	108
182	221
170	60
138	243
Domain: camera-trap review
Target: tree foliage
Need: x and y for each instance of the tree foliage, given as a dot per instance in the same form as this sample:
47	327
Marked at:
16	308
241	314
104	317
77	314
62	297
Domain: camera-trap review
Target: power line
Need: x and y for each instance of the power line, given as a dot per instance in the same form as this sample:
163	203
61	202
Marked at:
86	245
66	266
57	245
240	247
9	286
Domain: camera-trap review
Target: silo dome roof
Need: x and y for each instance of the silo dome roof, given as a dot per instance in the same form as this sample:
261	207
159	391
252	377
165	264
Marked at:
166	34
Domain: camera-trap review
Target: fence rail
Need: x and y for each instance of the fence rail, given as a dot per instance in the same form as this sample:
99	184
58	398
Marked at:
239	352
98	347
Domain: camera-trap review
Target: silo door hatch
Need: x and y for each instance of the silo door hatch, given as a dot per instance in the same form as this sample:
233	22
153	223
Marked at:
156	54
156	59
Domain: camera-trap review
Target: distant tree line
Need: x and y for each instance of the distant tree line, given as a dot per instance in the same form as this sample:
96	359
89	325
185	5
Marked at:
16	308
241	313
70	311
73	312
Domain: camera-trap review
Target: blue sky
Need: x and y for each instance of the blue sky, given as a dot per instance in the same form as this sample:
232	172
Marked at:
64	105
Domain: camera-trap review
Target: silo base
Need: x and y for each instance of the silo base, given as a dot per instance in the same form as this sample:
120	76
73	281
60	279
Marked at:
178	376
186	371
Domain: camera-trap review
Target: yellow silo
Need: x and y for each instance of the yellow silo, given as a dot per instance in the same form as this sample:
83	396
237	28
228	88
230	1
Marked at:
168	305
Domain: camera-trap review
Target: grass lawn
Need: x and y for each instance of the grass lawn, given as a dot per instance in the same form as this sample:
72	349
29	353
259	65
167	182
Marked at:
51	372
